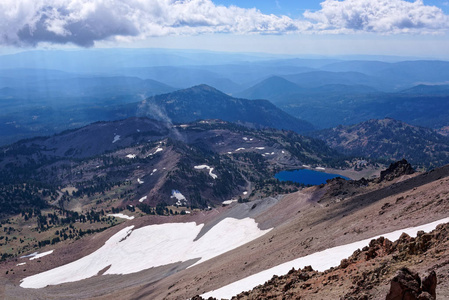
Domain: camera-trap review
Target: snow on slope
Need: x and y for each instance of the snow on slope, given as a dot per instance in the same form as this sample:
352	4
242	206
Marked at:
200	167
116	139
122	216
130	251
319	261
41	255
227	202
178	196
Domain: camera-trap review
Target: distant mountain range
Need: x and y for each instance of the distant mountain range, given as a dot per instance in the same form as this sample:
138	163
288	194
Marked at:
346	103
43	92
47	85
389	140
282	92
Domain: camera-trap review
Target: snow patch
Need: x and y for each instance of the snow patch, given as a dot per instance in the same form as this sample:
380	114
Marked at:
259	148
245	193
122	216
116	138
319	261
29	255
159	149
41	255
239	149
21	264
140	181
320	168
154	171
245	138
131	251
180	197
227	202
143	199
182	201
200	167
131	156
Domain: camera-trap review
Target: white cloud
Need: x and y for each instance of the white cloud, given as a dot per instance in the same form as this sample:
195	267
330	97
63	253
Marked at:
84	22
378	16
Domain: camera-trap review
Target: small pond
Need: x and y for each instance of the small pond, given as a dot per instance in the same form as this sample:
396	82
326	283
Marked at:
306	176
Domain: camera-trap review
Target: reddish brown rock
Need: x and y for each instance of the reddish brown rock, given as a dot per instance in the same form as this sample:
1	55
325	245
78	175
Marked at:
406	285
429	284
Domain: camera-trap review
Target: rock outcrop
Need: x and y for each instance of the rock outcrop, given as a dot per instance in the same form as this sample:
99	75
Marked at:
396	170
407	285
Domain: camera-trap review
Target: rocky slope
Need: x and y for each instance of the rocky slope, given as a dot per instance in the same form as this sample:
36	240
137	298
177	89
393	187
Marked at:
368	272
389	140
305	222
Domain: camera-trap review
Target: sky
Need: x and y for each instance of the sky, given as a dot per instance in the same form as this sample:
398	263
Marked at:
298	27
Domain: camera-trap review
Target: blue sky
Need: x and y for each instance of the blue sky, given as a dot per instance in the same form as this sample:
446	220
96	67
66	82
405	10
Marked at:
330	27
290	8
295	8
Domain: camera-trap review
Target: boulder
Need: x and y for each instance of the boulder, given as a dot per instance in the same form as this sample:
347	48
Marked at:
407	285
429	284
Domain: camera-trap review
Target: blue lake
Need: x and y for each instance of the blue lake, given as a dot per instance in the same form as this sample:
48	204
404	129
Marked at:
306	176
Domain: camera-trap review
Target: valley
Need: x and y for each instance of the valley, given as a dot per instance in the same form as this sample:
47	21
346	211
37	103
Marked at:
157	178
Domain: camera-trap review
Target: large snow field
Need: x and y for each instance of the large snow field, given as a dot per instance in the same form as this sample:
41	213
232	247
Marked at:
320	261
130	251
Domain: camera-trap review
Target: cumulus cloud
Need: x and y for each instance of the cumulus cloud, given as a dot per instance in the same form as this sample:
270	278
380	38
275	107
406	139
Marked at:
83	22
378	16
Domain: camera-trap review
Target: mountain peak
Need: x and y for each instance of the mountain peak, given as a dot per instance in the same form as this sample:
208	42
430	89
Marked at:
205	102
203	88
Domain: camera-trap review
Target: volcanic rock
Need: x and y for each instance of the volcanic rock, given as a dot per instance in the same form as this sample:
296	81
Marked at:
396	170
